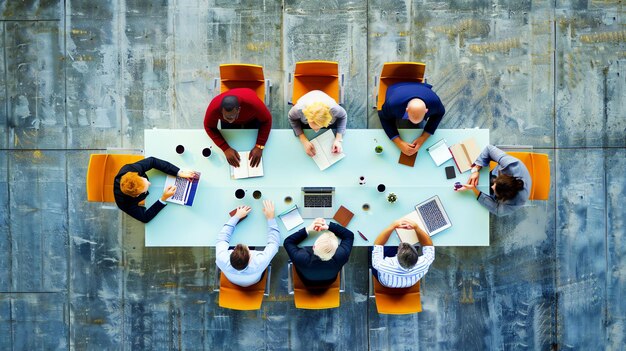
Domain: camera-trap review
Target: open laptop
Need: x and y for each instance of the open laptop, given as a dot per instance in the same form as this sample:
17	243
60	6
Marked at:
430	216
317	202
185	189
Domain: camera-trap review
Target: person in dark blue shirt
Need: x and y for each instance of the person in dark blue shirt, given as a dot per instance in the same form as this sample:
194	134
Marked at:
415	102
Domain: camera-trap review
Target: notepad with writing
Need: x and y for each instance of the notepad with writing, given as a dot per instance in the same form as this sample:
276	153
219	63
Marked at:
245	170
465	153
439	152
291	217
324	157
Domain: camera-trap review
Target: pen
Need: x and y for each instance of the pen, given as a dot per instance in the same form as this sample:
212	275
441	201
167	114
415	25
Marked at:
362	236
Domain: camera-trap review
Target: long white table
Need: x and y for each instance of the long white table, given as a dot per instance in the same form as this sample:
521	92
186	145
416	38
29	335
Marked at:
287	168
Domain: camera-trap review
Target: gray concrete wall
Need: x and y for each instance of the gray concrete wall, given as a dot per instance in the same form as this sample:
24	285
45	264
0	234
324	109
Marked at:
80	76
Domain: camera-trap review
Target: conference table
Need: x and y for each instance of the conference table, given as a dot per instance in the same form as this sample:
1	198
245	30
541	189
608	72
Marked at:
287	168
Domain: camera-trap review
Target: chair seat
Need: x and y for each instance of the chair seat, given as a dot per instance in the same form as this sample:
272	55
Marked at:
397	300
236	297
315	298
101	174
243	76
316	75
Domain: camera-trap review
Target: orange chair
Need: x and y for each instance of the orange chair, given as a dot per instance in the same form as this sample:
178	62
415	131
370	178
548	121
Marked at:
249	298
314	298
397	72
101	174
539	168
245	76
316	75
396	300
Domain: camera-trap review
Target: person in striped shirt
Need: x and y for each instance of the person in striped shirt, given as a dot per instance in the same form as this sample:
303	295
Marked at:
401	267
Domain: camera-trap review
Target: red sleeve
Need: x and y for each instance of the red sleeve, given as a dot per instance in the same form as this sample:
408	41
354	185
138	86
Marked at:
211	117
265	118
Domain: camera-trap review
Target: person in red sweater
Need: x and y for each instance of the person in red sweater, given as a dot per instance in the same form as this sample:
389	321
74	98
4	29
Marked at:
238	108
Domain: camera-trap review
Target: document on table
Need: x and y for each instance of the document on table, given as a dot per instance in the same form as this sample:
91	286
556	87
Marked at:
409	235
245	170
464	154
323	143
291	217
440	152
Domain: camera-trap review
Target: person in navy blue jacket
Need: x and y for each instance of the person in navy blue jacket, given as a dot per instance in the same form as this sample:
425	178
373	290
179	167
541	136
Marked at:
320	264
415	102
131	187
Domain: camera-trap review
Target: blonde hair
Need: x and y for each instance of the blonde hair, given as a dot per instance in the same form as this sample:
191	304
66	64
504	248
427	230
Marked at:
131	184
318	113
325	246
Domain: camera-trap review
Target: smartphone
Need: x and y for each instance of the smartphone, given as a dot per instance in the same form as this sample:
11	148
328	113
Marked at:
450	172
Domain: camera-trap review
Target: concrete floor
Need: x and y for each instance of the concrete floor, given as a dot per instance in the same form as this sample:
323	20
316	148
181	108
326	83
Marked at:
81	76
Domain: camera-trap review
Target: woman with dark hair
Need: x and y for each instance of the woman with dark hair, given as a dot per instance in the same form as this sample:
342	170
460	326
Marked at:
510	185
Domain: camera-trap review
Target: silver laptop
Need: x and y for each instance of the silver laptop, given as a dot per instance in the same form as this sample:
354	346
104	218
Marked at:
317	202
433	215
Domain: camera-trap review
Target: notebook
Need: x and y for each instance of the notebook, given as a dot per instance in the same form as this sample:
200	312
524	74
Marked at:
407	160
439	152
245	170
343	216
324	157
464	154
318	202
185	189
430	216
291	217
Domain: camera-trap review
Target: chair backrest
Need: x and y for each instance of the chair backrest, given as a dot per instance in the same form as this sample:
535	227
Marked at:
316	75
101	174
397	300
397	72
236	297
242	76
315	298
539	168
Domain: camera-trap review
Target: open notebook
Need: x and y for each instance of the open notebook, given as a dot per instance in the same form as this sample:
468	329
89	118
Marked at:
245	170
464	154
323	143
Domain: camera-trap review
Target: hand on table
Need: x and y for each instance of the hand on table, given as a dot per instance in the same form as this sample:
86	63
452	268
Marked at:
317	225
242	211
466	187
255	156
308	148
168	192
406	148
473	179
268	209
337	147
232	156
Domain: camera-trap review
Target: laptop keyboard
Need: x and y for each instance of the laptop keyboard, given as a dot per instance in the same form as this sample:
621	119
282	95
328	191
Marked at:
181	187
324	200
432	216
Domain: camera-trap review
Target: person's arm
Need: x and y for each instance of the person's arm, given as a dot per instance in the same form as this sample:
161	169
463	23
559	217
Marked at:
211	117
422	236
292	241
140	213
148	163
222	257
494	206
383	237
433	120
273	242
265	119
341	118
421	139
295	115
489	153
389	125
342	255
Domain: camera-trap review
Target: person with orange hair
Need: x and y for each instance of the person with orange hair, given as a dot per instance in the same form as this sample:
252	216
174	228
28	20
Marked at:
131	187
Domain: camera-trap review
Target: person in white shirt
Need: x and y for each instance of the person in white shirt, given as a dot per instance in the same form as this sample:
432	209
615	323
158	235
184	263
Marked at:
242	266
402	268
318	110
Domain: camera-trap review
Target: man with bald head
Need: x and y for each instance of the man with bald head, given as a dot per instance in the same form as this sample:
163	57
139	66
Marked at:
413	102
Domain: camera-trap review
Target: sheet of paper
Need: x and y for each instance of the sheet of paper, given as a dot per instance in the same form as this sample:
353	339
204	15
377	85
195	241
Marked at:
324	157
440	152
291	218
